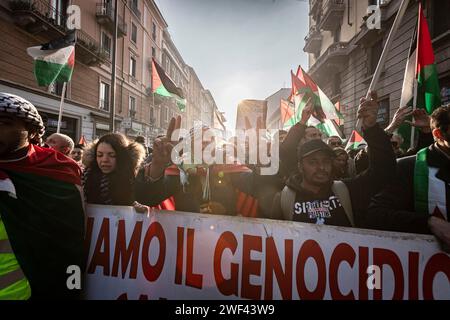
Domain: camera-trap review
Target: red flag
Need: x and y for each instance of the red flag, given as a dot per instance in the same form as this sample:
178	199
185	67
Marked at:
424	45
48	163
82	140
307	80
297	84
286	111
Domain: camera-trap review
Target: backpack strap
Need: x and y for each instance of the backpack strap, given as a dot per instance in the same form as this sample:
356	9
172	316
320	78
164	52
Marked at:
287	202
340	189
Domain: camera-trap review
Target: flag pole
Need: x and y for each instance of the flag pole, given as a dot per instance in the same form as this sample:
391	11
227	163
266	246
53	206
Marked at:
295	112
112	110
413	129
376	76
58	129
416	84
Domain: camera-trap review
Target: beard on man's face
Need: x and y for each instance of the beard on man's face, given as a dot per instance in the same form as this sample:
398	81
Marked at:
13	142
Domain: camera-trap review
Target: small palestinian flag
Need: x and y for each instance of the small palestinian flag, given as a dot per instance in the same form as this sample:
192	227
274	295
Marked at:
308	87
54	61
163	86
320	119
288	119
325	112
355	141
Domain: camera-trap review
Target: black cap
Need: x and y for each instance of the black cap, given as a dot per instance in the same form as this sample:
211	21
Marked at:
313	146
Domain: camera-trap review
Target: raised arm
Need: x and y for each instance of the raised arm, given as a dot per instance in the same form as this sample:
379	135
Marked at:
382	163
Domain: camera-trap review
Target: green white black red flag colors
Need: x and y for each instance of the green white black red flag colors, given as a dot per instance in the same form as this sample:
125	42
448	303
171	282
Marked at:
325	112
321	102
429	191
355	141
420	69
54	61
288	116
163	86
44	191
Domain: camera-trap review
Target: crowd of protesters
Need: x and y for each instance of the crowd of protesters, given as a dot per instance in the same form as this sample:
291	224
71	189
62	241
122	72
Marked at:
379	186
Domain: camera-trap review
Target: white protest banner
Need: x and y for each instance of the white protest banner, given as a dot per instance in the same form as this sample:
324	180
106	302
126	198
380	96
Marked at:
177	255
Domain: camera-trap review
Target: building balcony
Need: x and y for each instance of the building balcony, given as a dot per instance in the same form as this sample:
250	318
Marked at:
332	14
88	51
38	17
313	41
331	60
366	36
105	17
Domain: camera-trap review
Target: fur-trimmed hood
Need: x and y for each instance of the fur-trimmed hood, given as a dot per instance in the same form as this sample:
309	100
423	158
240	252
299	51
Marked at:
135	150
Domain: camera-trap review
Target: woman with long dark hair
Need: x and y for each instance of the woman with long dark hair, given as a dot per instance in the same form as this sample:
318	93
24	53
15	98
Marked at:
114	174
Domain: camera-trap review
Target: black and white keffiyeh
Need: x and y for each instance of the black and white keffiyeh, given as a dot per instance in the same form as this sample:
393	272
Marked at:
23	109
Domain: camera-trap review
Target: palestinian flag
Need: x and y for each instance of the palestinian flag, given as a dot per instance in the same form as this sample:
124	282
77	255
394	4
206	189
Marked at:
42	209
429	191
54	61
421	78
329	128
288	118
325	114
309	88
354	141
163	86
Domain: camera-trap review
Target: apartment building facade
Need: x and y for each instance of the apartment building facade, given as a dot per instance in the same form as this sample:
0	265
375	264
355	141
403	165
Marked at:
194	97
344	52
176	69
141	37
209	107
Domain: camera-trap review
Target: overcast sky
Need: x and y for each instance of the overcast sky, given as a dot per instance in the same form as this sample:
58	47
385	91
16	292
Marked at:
240	49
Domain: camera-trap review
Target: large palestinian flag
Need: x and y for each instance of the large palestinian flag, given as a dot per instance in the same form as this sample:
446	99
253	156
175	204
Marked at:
325	113
163	86
421	78
54	61
42	209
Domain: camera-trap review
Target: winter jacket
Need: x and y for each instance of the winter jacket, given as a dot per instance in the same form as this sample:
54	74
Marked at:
123	188
225	186
393	208
361	188
362	160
